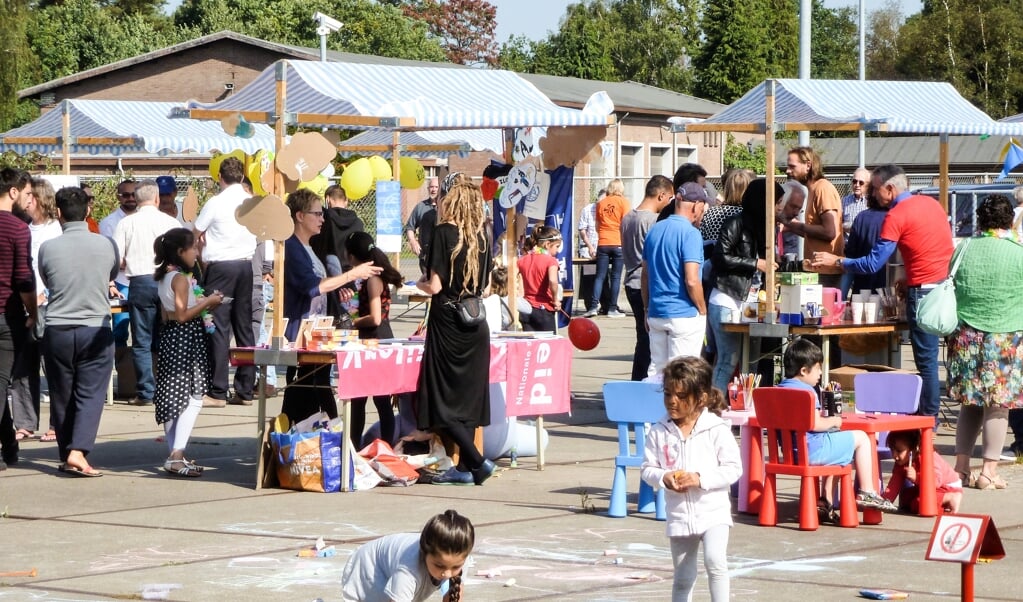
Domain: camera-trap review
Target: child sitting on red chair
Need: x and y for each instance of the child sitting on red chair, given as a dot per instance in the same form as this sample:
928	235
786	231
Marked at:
905	446
827	444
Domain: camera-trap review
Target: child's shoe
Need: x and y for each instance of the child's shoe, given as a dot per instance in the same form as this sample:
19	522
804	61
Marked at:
873	500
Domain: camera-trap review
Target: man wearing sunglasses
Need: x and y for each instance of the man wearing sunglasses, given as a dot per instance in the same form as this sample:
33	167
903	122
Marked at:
119	289
856	201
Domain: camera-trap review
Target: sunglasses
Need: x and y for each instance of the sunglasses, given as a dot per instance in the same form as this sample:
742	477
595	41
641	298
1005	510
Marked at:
859	182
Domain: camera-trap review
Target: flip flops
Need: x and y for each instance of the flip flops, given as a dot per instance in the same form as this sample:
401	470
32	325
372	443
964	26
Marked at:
49	436
74	471
22	434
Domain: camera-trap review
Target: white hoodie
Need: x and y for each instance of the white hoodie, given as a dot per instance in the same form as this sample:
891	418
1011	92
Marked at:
710	451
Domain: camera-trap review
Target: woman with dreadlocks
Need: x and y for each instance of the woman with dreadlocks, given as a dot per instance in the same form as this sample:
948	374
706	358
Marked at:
453	393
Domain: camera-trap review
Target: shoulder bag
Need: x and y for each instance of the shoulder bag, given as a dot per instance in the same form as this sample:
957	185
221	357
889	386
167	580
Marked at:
936	312
470	310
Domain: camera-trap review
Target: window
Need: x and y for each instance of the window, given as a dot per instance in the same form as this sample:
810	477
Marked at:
660	161
633	174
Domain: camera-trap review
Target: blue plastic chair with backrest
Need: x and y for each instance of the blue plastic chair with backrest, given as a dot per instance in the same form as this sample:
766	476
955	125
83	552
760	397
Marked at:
633	405
887	393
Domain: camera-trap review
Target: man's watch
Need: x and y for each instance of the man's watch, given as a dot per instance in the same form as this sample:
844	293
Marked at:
838	262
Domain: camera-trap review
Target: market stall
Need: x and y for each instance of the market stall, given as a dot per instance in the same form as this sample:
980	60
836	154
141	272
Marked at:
391	99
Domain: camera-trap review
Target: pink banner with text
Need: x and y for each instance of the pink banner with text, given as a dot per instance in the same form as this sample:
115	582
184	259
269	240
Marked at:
537	373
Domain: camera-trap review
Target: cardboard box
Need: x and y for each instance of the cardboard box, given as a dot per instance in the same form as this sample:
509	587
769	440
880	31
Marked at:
845	375
794	297
798	277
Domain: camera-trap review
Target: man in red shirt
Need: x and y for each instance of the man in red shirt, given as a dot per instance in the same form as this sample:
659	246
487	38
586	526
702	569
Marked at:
918	226
610	211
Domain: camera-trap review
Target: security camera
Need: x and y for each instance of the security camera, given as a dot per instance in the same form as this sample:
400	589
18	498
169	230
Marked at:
330	23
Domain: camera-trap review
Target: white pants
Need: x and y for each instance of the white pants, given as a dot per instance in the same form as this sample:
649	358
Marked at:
715	560
674	337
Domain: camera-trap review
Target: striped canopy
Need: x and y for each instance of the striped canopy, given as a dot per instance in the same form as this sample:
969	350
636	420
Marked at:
427	143
126	127
419	98
892	106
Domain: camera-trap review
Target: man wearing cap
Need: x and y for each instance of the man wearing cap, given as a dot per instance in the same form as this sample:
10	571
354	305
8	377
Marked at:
671	286
228	251
417	237
119	289
134	236
168	195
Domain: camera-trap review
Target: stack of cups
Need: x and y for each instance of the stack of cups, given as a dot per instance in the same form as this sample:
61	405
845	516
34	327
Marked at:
857	309
870	309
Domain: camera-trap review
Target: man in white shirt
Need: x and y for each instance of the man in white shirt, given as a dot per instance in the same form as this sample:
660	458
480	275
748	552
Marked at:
134	236
228	251
128	205
856	201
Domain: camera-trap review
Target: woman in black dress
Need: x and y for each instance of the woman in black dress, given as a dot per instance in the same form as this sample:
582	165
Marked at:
454	389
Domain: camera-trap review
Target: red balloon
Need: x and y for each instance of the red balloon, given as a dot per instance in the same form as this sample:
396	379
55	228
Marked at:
583	333
488	188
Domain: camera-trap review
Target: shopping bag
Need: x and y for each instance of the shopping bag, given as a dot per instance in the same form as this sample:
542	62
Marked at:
391	468
309	461
936	312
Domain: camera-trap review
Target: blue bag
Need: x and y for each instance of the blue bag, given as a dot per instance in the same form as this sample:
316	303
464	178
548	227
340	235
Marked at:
308	461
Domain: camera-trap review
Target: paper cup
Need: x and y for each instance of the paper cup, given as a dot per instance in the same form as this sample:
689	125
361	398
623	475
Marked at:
857	298
870	312
857	312
865	293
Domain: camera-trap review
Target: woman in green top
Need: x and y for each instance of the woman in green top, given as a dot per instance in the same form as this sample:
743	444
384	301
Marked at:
985	355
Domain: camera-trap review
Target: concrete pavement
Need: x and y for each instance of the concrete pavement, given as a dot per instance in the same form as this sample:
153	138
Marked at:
546	533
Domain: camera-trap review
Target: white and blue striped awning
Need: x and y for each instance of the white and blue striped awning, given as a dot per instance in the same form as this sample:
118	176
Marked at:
435	98
892	106
128	127
416	144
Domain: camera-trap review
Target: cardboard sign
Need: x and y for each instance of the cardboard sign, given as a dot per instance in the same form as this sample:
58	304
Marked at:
520	182
536	200
389	224
964	538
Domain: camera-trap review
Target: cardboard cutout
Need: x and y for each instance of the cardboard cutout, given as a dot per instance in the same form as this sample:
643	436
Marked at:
306	155
266	217
190	206
569	146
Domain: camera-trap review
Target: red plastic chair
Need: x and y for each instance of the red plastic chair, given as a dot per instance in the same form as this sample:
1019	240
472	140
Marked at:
787	415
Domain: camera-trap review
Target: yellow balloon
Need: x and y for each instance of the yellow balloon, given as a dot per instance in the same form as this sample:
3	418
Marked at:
381	168
412	173
256	167
357	179
216	161
318	185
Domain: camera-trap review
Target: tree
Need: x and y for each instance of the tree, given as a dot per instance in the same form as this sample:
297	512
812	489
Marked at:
835	42
516	54
745	156
882	42
971	43
465	28
577	49
13	57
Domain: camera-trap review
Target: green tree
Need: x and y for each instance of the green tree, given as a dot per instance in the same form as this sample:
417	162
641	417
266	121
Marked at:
882	42
579	47
516	54
974	44
745	156
13	57
835	42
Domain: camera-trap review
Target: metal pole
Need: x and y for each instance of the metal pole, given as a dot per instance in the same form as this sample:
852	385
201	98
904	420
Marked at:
805	8
863	76
769	224
323	31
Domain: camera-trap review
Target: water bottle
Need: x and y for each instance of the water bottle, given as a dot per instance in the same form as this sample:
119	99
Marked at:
514	456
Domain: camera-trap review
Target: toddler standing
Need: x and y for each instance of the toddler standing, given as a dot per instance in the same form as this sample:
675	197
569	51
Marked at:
692	453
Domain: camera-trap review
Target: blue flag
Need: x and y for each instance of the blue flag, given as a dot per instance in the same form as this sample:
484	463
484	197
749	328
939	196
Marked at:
1012	158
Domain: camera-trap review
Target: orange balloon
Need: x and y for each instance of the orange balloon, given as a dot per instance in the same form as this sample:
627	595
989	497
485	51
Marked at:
584	333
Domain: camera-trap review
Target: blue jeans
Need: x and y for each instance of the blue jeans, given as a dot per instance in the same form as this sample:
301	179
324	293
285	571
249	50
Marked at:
120	321
144	309
925	354
608	255
729	346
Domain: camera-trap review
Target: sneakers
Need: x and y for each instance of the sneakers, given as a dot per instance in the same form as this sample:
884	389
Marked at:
483	472
138	401
873	500
614	313
826	513
591	313
453	476
213	402
239	401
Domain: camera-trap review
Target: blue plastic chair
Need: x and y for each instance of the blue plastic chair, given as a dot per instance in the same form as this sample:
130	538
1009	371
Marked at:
633	405
887	393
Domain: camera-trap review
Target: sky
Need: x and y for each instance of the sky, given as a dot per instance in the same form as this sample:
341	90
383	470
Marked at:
535	18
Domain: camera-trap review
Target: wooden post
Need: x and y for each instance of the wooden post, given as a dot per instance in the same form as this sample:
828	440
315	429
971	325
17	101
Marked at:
770	217
511	238
65	127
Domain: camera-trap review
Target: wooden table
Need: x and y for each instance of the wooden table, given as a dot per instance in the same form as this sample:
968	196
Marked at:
872	424
825	332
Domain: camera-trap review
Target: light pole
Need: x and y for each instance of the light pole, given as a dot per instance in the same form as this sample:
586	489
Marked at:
325	25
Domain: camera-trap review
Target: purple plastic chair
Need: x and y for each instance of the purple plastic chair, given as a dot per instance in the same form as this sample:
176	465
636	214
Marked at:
633	405
887	393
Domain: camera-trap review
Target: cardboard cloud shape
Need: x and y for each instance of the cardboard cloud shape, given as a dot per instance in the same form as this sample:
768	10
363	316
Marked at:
569	146
306	155
266	217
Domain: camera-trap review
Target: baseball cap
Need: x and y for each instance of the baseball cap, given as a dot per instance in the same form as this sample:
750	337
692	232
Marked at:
167	185
693	192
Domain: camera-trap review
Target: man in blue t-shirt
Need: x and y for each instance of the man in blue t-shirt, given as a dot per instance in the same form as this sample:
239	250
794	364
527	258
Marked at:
672	292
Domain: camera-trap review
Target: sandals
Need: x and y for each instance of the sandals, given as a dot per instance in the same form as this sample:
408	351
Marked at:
22	434
49	436
987	483
182	468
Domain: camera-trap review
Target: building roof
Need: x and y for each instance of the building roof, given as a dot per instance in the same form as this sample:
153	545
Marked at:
566	91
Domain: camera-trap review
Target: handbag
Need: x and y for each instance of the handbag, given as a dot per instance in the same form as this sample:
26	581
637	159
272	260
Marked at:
309	461
470	310
936	312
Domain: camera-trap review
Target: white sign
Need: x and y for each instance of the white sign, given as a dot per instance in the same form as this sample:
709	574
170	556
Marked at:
955	538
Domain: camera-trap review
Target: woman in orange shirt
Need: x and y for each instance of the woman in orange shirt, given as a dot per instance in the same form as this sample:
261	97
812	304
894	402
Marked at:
610	211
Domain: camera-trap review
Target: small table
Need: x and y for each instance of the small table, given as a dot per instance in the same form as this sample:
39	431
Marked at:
872	424
825	332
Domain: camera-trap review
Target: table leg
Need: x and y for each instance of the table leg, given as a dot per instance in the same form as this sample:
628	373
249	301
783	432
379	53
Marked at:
260	424
755	469
928	493
346	446
744	480
826	368
871	516
745	352
539	443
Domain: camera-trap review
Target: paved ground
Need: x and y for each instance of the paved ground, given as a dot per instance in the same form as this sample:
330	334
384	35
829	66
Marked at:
216	538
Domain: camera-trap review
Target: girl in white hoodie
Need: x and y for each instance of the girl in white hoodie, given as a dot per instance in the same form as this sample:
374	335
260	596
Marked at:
692	453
